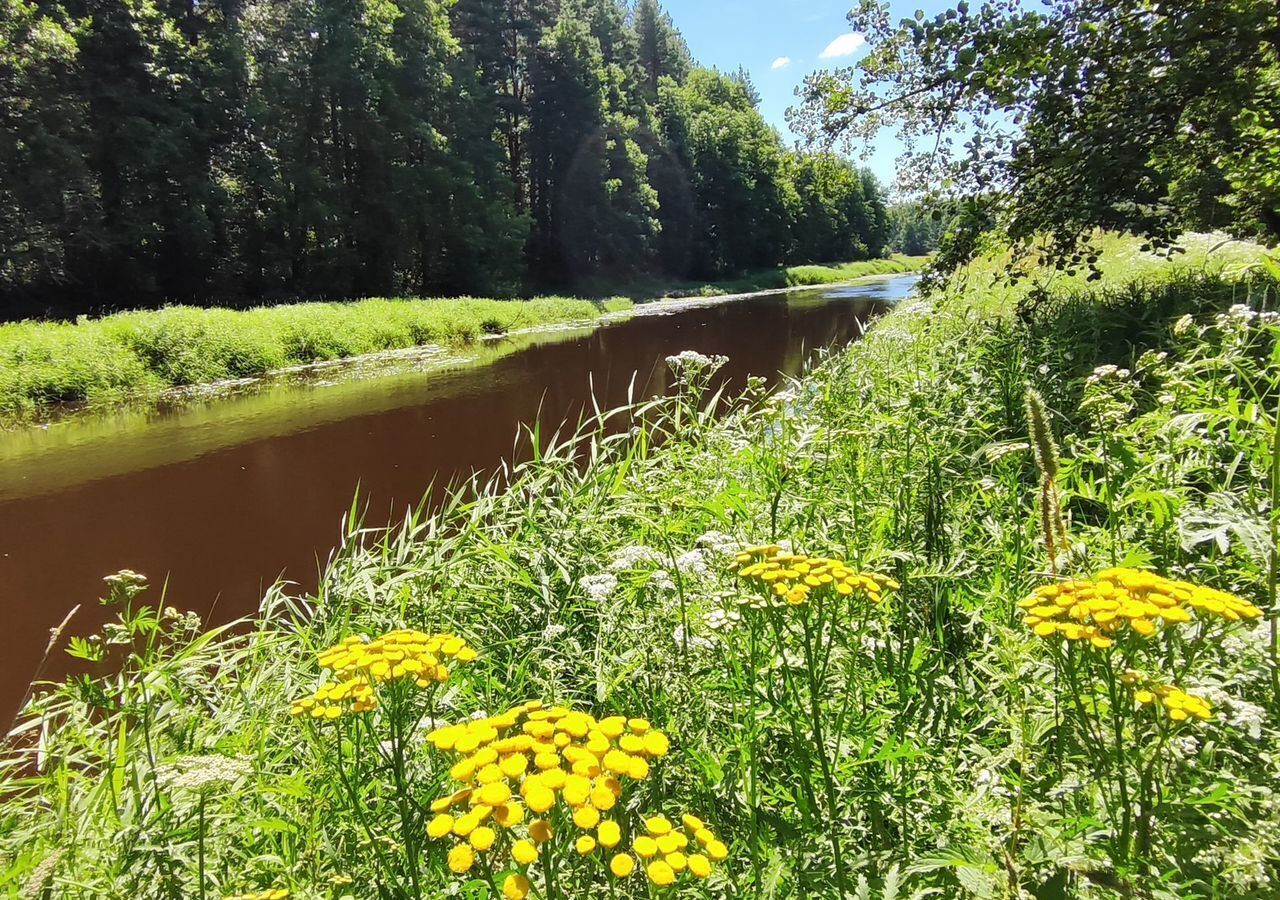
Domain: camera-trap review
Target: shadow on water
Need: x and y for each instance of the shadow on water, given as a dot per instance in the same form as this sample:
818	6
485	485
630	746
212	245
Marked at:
224	496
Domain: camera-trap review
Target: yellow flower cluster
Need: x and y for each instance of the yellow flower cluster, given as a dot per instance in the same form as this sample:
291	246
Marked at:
560	765
792	577
1177	703
360	665
668	852
272	894
1118	600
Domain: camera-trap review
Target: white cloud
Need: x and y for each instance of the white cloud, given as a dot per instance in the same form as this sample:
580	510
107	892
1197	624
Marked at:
844	45
781	62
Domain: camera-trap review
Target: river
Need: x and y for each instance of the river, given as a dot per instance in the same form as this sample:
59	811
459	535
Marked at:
223	495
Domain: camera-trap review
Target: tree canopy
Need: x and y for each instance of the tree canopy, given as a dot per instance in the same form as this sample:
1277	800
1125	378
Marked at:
1150	116
251	150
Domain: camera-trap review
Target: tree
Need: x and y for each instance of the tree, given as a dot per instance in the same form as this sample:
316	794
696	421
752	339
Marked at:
249	150
915	229
735	164
662	50
592	206
44	184
1118	114
501	37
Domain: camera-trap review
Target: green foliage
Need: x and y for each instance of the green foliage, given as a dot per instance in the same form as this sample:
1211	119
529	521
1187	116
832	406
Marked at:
931	740
260	150
736	164
1069	116
662	52
915	229
42	363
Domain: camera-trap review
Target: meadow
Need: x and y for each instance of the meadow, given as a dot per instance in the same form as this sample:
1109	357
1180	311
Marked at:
134	354
776	278
981	606
137	355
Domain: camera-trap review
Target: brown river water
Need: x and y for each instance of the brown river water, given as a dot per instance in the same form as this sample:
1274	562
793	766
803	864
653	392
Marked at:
222	496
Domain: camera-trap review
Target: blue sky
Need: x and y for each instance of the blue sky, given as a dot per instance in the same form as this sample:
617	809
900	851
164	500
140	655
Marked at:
759	34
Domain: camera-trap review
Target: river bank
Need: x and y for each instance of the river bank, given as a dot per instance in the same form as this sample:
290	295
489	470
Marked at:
927	740
142	354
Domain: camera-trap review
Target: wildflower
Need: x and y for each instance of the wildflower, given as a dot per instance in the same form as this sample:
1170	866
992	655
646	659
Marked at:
608	834
634	557
790	578
461	859
658	826
516	887
696	362
718	543
660	873
1102	608
271	894
197	773
693	563
543	758
360	665
723	619
524	852
1177	703
599	587
482	838
1238	713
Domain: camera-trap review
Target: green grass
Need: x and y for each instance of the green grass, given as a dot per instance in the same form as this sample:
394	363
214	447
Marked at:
138	353
779	278
802	276
135	355
930	743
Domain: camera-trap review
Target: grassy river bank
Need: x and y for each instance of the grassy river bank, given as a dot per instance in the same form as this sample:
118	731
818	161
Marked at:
784	654
131	355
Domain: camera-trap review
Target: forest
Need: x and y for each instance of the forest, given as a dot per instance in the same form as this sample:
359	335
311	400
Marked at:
250	151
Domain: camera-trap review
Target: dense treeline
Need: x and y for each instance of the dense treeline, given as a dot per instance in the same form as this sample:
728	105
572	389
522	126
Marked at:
155	150
916	229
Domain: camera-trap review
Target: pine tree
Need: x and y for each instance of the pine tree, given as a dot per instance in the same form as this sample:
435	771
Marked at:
662	50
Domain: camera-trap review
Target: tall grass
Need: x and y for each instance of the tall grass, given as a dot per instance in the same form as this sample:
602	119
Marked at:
779	278
44	363
930	742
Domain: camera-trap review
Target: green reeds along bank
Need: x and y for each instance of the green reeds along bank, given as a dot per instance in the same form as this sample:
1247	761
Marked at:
822	626
136	353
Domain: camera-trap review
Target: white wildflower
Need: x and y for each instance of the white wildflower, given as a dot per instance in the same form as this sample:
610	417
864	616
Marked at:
719	543
600	587
723	619
1248	717
662	581
693	563
695	641
196	773
1248	642
692	359
634	557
